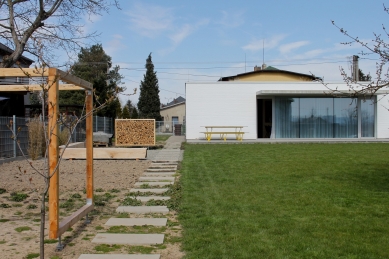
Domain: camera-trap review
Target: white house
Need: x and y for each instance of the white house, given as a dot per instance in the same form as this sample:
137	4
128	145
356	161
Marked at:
285	110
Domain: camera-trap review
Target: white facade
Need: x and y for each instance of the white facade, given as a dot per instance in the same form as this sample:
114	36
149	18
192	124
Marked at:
235	104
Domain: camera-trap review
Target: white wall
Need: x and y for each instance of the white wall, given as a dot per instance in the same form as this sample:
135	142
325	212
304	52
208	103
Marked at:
234	104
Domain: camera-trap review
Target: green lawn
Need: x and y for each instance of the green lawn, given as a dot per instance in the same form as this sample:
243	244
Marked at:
162	138
286	201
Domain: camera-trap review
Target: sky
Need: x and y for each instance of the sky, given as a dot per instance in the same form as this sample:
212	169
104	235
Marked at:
201	41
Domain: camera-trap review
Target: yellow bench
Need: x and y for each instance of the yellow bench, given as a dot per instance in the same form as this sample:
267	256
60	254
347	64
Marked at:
223	134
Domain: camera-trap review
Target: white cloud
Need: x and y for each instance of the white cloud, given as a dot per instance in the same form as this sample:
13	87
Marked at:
114	45
270	43
232	20
286	48
150	20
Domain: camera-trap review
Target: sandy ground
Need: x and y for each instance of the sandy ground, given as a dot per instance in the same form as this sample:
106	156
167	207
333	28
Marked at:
119	175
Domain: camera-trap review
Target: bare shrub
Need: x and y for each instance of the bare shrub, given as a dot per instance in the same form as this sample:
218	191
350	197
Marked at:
36	139
63	137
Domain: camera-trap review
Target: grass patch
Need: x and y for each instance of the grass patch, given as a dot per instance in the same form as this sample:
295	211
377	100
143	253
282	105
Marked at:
32	255
161	138
76	196
18	196
50	241
101	200
21	229
136	229
107	248
128	201
4	220
2	242
5	206
2	190
67	205
140	249
285	201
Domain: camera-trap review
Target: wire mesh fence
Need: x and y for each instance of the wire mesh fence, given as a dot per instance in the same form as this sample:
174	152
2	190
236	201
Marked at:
9	147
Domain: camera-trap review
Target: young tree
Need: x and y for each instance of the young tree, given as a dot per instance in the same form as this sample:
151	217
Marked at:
149	102
56	24
50	130
363	77
378	47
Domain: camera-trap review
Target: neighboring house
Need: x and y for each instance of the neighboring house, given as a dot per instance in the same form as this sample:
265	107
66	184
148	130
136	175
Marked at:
284	109
173	113
270	73
12	103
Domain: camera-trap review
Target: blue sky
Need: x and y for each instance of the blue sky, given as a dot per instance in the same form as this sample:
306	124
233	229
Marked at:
200	41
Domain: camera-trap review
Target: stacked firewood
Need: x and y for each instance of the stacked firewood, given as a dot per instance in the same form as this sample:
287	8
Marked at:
134	132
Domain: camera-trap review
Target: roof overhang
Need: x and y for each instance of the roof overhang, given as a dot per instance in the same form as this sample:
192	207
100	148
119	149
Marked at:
316	92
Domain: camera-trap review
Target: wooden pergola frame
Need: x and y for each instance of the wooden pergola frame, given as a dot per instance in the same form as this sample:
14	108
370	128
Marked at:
56	228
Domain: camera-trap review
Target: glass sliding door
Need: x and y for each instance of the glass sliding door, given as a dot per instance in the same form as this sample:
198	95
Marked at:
367	117
322	117
287	117
316	117
345	118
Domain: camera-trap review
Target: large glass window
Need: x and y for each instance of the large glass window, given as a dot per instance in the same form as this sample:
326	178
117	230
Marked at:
287	117
322	118
367	117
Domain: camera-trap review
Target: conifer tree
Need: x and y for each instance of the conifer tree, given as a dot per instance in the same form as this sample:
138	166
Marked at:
125	112
149	103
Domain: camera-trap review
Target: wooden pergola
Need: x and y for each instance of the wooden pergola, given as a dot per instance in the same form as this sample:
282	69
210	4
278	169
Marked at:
54	76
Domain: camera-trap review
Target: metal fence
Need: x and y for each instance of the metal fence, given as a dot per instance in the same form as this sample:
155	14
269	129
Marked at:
9	148
177	128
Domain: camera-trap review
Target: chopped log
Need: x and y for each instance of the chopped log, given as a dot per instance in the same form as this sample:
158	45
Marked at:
106	153
139	132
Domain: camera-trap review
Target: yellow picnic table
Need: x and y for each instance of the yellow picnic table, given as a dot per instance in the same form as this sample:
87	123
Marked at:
209	131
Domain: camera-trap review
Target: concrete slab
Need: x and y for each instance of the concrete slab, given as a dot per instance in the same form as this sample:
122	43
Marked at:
160	170
173	167
136	222
158	174
143	209
164	163
119	256
156	179
157	191
147	198
153	183
129	239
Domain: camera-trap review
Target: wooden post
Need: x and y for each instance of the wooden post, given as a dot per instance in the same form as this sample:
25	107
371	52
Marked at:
53	113
89	147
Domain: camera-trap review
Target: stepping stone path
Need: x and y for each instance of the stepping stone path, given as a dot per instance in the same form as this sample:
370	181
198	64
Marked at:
159	174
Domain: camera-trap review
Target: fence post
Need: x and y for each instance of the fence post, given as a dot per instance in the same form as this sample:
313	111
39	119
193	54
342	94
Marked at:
15	134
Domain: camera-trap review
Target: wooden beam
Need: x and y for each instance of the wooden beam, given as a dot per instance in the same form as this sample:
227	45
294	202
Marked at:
74	218
21	72
29	88
53	112
89	147
71	79
106	153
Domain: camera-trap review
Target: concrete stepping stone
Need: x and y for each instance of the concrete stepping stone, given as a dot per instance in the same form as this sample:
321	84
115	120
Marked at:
143	209
128	239
156	162
169	170
158	174
136	222
147	198
153	183
156	178
157	191
119	256
173	167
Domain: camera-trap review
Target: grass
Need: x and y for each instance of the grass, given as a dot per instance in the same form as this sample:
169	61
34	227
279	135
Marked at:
107	248
285	201
21	229
33	255
161	138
